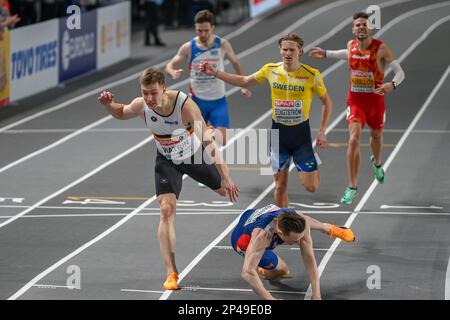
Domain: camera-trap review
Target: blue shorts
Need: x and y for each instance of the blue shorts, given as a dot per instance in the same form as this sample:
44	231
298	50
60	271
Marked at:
240	241
294	142
214	111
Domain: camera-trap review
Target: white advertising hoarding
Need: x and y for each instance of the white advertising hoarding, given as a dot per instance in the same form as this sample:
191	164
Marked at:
34	59
113	34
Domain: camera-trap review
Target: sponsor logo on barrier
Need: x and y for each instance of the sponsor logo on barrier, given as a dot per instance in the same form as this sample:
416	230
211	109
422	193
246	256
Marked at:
28	61
113	30
78	47
33	59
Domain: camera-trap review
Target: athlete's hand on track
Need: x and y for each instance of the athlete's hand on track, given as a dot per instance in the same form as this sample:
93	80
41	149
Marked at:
317	53
175	74
231	189
384	88
106	98
205	67
247	93
321	140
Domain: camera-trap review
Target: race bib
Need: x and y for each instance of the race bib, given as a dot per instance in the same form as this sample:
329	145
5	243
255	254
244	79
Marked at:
288	111
177	147
362	81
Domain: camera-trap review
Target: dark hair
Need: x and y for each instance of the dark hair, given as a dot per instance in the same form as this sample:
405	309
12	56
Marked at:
291	37
360	14
290	221
151	75
204	16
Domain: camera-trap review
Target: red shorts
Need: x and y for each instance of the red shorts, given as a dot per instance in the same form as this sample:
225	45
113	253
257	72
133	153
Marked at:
364	107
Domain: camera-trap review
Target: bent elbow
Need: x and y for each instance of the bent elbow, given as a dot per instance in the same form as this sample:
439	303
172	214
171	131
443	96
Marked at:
247	275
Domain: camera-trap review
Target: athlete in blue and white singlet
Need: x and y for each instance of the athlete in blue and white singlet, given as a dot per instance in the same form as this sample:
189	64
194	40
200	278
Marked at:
207	91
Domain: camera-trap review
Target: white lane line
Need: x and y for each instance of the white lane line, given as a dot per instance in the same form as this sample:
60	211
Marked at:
195	288
74	183
200	256
386	206
108	86
81	215
52	286
447	282
198	288
372	187
113	208
55	144
143	291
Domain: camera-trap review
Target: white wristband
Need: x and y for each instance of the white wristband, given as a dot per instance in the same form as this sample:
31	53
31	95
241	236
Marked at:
337	54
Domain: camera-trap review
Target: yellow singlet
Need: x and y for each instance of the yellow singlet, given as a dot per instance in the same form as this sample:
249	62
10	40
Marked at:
292	92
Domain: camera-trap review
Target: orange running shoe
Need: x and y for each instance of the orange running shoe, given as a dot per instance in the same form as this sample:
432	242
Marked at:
341	232
270	275
171	282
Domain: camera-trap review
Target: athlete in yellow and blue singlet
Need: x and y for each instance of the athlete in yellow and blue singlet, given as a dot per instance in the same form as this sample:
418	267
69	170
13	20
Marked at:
293	86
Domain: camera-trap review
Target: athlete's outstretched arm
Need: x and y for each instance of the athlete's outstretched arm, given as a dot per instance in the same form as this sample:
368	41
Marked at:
235	62
191	114
181	56
118	110
258	244
233	79
306	247
320	53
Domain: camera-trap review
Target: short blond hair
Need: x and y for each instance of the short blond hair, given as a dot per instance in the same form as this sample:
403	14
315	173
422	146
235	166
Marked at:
291	37
151	75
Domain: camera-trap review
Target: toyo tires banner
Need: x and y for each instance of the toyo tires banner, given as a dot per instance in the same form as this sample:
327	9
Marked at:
40	56
33	59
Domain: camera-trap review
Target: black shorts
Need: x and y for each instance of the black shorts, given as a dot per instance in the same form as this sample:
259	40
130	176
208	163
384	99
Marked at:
169	176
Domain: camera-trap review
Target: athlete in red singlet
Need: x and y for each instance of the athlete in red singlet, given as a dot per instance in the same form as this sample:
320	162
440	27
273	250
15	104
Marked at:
367	58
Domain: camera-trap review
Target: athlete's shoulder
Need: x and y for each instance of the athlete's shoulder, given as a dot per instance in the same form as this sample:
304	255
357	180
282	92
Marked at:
377	41
173	95
309	69
186	47
272	65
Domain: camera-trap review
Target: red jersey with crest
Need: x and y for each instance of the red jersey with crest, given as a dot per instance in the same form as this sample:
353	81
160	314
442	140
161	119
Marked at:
365	76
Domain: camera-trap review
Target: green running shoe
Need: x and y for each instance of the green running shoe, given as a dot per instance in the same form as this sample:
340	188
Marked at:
379	172
349	194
